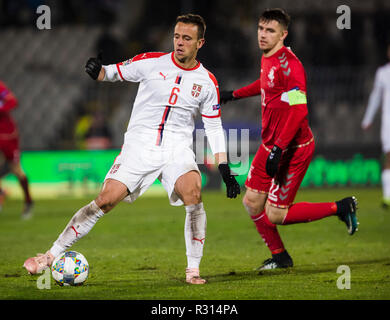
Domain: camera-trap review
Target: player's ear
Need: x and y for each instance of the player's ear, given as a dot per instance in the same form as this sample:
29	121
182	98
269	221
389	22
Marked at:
284	34
200	43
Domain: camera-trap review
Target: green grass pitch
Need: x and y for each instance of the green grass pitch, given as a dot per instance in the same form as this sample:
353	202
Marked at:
137	252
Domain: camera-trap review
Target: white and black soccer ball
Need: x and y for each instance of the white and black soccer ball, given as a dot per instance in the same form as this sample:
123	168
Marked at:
70	269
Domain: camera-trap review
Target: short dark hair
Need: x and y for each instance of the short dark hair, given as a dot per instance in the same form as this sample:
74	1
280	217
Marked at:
196	20
277	14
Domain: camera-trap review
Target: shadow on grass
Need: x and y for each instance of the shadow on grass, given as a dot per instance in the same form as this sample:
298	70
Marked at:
306	269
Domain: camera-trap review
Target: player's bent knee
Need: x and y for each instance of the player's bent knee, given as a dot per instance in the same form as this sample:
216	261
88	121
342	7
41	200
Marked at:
252	207
192	196
273	218
105	203
112	193
188	188
248	206
275	215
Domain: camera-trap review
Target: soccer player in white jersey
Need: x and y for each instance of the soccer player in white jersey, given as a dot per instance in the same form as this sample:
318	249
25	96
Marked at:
158	141
380	95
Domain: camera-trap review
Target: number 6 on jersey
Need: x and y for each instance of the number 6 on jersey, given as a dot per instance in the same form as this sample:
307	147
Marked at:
173	98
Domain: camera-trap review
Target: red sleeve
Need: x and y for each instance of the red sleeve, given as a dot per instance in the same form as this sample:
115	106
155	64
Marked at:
7	100
249	91
296	79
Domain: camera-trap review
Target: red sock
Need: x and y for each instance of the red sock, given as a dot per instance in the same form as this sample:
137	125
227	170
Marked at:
268	232
306	212
24	184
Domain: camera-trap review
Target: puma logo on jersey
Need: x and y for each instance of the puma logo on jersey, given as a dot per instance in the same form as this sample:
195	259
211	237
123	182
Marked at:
163	75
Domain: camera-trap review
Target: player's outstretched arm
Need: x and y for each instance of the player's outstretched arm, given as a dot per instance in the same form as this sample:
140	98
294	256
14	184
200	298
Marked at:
227	96
250	90
94	68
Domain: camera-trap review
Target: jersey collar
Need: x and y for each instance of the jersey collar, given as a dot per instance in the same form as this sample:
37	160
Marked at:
174	62
276	53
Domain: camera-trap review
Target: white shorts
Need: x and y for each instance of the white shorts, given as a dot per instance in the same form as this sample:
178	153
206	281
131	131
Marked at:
138	167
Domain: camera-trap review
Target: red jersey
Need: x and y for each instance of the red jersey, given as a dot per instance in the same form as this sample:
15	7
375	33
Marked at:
282	86
7	103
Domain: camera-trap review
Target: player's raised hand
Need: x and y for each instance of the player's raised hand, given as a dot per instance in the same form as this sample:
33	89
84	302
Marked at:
94	66
232	186
226	96
271	166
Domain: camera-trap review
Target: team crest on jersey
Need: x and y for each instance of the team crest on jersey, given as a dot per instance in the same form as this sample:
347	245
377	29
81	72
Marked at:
196	89
271	77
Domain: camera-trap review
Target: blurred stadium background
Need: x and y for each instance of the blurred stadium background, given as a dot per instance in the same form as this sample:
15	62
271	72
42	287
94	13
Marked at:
62	113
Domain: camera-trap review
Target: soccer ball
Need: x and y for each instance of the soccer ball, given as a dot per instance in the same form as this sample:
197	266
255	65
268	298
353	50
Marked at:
70	269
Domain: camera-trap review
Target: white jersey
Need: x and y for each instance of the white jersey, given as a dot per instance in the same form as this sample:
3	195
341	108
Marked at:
168	100
380	95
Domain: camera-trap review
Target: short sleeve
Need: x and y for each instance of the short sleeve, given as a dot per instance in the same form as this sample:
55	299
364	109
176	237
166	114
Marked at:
135	69
295	77
132	69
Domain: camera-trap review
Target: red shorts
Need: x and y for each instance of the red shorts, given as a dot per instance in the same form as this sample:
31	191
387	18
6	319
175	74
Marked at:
10	149
283	187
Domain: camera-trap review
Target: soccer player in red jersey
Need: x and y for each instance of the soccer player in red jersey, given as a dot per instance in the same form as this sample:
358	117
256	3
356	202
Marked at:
9	146
287	145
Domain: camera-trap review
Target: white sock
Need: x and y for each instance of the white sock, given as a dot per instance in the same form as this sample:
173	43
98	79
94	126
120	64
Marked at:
80	224
386	184
195	234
